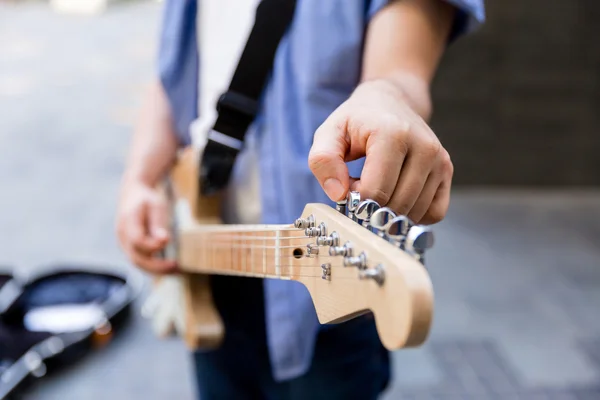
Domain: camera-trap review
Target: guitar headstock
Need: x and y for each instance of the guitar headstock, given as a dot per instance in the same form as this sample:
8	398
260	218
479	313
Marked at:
370	259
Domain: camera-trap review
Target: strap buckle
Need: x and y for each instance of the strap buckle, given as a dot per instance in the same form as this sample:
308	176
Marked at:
233	101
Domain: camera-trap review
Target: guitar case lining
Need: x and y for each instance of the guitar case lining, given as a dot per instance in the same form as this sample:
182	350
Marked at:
53	318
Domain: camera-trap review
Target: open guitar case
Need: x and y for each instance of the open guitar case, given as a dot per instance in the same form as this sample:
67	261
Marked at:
54	317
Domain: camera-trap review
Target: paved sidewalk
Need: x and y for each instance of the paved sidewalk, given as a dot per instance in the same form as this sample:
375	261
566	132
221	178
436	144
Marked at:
517	274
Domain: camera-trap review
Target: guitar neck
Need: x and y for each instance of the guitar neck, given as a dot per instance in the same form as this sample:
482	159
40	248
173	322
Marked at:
265	251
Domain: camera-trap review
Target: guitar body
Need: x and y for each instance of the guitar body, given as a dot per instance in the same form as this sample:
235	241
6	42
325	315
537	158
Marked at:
348	266
203	327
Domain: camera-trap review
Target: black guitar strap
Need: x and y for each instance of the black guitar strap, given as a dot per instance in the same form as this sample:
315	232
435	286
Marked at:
238	106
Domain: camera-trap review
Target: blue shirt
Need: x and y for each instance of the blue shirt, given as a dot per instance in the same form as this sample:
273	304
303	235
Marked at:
316	68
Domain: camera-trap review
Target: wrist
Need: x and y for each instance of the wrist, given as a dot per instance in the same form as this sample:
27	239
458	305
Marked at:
409	89
140	176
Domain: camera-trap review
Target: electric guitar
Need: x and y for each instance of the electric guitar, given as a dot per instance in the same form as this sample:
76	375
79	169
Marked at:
352	259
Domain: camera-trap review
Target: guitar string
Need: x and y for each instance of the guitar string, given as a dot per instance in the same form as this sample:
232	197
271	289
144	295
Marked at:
243	237
222	240
274	275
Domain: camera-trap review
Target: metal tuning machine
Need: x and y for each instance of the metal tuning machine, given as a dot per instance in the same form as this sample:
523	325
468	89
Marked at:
347	250
341	206
365	210
397	229
380	219
352	204
377	274
316	231
331	240
359	261
305	223
418	240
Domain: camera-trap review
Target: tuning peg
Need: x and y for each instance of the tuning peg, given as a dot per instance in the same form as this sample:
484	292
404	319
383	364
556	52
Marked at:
320	230
312	249
352	203
331	240
381	218
377	274
365	209
304	223
359	261
418	240
346	250
397	229
341	206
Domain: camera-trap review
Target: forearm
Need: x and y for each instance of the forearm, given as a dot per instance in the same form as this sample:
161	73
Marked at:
404	44
154	143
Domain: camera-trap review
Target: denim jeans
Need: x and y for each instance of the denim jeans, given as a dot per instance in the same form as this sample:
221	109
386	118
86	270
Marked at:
349	361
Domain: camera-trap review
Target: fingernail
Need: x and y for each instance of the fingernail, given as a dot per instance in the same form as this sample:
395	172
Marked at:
334	189
160	233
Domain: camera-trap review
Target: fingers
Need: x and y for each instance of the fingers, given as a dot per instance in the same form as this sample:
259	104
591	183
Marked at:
135	233
151	263
142	230
410	184
439	206
433	200
422	191
425	199
326	160
383	163
158	220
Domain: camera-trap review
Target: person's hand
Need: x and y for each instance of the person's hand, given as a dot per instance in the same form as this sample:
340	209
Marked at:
406	168
142	227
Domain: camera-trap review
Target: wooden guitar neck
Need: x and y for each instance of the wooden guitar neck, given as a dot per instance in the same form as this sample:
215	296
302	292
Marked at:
348	267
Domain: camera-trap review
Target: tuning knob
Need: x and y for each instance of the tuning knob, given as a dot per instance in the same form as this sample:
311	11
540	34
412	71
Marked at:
381	218
397	229
352	202
418	240
365	209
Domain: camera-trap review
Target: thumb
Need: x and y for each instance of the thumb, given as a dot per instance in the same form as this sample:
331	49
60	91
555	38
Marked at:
158	220
326	161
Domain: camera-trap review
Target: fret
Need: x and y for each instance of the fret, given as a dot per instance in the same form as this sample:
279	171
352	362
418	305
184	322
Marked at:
264	257
277	260
211	263
252	253
242	253
233	250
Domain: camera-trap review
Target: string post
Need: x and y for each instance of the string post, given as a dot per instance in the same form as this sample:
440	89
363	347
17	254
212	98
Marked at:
359	261
377	274
352	201
312	249
331	240
305	223
346	250
320	230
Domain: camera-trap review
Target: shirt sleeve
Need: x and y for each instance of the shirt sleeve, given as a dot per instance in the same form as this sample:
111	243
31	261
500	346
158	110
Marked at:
470	14
178	62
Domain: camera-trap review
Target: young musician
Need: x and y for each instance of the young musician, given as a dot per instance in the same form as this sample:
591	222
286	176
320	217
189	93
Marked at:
348	97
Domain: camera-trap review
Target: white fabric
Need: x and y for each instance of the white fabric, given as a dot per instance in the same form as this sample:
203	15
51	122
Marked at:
223	27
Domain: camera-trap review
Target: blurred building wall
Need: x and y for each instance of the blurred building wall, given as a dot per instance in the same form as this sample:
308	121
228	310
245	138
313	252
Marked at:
518	103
